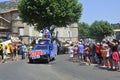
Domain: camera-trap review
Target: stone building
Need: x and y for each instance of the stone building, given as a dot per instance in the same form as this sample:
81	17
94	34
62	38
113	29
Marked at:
117	33
11	22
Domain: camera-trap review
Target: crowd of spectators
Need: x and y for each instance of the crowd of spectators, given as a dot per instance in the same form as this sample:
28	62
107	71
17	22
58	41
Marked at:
13	50
105	53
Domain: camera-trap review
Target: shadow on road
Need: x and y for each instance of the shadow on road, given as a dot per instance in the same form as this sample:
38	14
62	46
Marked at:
104	68
42	62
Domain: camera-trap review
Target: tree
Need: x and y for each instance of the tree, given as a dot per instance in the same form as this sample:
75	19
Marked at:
42	13
83	30
99	29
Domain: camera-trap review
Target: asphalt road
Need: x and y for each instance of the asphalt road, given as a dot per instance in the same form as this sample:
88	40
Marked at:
60	69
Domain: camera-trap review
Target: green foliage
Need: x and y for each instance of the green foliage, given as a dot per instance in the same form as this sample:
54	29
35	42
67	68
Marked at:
83	30
44	13
100	28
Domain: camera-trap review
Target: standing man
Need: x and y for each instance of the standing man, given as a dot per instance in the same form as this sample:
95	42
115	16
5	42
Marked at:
80	51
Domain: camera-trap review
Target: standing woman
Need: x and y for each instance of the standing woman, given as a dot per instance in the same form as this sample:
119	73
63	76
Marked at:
75	52
115	54
103	51
97	51
86	51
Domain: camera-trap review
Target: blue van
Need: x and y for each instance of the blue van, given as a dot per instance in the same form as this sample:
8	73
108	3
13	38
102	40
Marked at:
44	50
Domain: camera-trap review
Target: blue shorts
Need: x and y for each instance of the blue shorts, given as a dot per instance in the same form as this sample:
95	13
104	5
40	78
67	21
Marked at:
80	54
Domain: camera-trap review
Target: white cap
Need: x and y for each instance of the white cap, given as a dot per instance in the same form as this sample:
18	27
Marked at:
98	43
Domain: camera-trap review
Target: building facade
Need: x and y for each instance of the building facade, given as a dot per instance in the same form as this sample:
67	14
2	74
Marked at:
12	24
117	33
69	33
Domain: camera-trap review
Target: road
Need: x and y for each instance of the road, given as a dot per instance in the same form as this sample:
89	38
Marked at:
60	69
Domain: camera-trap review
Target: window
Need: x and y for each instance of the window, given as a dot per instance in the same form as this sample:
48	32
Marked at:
21	31
117	34
30	31
69	34
41	47
18	18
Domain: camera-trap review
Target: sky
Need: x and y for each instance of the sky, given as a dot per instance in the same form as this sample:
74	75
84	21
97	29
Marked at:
106	10
3	0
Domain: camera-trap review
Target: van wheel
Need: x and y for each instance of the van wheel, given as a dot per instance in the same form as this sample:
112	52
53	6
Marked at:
30	61
53	58
48	59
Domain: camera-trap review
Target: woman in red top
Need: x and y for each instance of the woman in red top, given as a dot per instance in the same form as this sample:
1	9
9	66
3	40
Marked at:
115	54
97	51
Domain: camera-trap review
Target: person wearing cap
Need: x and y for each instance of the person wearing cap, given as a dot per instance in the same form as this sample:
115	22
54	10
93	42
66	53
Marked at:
97	51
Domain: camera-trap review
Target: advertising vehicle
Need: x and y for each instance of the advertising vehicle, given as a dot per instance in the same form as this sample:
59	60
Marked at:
44	50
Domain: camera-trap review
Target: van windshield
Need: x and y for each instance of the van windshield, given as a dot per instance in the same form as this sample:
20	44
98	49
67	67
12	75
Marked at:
41	47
